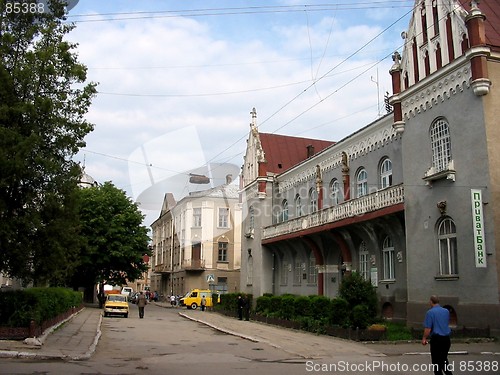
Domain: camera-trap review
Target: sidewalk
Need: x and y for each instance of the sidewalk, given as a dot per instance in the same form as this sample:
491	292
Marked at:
311	346
73	339
77	338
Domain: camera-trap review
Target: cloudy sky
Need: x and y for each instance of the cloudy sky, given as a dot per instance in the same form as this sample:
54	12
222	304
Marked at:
177	81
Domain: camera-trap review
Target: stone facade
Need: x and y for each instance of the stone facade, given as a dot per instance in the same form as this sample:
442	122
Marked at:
411	201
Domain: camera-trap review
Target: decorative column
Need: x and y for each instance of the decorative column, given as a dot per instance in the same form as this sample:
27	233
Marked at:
395	101
478	51
319	187
346	180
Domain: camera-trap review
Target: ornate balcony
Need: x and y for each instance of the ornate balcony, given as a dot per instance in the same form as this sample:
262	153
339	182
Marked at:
162	268
352	208
193	264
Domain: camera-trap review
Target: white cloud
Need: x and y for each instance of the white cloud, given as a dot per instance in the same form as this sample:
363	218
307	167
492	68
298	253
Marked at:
162	76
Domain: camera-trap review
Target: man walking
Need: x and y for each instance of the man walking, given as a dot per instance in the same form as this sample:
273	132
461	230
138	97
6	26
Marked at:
141	303
436	327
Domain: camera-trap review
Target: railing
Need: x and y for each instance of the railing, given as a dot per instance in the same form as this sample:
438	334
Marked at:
193	264
162	268
354	207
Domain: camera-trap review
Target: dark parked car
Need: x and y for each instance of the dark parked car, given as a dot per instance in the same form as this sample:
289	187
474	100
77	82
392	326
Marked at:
133	297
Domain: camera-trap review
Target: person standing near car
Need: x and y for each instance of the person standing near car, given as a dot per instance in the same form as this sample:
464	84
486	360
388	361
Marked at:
437	329
141	303
203	303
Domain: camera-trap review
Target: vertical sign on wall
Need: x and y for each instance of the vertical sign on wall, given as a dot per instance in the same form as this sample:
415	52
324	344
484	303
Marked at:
478	227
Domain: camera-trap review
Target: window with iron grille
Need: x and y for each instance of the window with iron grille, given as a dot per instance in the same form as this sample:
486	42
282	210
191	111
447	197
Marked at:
440	145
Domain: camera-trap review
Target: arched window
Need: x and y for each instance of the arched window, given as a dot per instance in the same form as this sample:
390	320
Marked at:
284	210
385	173
313	200
361	183
447	239
440	145
298	206
388	259
334	192
364	261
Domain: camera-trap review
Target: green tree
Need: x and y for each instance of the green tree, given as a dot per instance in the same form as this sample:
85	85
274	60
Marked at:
358	291
115	240
43	101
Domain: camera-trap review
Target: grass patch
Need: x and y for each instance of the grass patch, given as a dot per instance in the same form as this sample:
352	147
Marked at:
397	331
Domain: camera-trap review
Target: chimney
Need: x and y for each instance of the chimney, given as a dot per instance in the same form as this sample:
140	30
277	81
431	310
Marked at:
310	151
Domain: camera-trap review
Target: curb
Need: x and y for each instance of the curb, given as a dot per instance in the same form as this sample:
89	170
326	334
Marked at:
43	337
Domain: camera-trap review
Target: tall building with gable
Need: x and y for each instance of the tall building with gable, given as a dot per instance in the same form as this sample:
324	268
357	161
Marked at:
411	201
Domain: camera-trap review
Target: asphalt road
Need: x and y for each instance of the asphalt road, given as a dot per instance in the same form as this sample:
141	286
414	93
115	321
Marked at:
166	343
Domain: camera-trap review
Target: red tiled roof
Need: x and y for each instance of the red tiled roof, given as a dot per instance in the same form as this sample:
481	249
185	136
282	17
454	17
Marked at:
491	9
283	152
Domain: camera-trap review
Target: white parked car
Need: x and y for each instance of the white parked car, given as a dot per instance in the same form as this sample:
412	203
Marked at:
127	291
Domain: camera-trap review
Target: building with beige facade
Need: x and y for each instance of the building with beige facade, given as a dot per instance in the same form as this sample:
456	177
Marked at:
197	242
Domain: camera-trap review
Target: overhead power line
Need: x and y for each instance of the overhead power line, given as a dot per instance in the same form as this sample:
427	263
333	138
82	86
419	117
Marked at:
136	15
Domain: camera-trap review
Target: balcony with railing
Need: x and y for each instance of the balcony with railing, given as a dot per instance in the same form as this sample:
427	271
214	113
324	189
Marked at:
162	268
193	264
355	207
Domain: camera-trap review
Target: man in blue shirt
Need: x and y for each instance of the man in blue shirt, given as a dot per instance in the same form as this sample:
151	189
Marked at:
436	327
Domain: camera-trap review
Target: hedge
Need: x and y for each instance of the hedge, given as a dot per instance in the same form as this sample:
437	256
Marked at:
19	307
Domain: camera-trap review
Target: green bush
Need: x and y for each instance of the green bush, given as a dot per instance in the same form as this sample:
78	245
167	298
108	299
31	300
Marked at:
287	310
302	305
275	304
263	305
358	291
361	317
321	307
229	301
339	313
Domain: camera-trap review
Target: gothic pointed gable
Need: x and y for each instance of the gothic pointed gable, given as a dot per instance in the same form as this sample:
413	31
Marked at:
273	153
437	35
447	47
168	203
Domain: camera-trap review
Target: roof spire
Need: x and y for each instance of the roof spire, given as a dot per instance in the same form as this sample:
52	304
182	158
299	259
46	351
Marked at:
254	117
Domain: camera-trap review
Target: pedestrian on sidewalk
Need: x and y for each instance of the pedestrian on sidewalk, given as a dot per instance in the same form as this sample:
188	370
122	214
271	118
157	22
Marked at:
203	303
240	304
141	303
246	308
437	328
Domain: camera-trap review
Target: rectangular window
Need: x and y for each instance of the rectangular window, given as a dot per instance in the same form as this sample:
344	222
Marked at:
448	256
388	255
223	217
222	257
284	273
197	217
364	269
312	275
297	273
